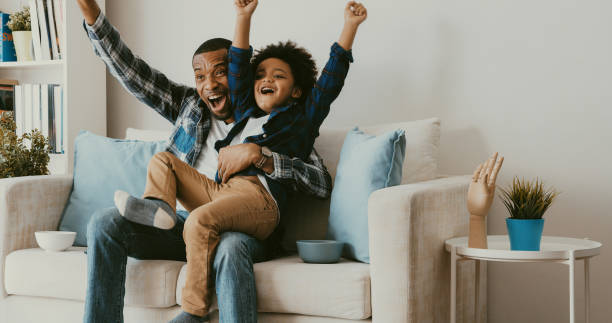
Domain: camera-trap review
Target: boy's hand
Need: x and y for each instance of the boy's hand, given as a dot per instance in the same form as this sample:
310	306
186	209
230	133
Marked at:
245	7
355	13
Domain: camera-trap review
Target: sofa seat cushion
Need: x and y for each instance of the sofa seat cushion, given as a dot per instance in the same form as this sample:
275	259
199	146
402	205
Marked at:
35	272
288	285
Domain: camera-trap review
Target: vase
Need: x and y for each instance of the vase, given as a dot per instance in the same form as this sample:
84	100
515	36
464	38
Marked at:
23	45
525	234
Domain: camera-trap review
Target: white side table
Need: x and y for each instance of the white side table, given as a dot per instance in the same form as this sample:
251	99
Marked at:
552	249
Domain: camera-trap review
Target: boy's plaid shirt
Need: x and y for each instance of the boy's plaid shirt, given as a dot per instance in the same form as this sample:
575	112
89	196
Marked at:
182	106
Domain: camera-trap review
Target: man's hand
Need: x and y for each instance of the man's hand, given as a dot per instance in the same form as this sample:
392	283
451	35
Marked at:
233	159
90	10
482	188
245	7
355	13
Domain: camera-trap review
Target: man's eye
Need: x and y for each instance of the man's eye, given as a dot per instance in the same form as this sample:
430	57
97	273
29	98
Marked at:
199	77
220	72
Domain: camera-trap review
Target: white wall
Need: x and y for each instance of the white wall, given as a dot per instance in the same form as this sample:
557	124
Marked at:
531	79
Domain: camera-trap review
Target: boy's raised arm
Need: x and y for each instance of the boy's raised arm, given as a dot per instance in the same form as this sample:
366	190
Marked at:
354	14
244	12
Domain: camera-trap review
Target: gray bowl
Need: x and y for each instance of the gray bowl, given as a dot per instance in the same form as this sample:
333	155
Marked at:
319	251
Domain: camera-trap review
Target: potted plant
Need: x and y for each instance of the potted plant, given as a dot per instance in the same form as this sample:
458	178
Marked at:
20	25
526	201
27	155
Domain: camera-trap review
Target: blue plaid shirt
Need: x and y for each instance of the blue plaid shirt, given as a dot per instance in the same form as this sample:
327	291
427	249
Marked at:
182	106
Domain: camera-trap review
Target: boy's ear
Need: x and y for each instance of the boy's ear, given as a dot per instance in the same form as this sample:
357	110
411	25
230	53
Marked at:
296	93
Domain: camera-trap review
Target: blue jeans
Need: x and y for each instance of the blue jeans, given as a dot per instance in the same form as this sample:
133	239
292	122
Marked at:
111	239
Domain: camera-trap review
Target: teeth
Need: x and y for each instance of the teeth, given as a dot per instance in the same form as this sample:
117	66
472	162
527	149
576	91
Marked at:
214	97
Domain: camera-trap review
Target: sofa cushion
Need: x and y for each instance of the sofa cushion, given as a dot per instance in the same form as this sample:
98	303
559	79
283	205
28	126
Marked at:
367	163
288	285
35	272
285	285
124	168
306	217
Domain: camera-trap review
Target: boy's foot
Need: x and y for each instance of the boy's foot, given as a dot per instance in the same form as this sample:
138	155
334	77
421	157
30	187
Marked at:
151	212
185	317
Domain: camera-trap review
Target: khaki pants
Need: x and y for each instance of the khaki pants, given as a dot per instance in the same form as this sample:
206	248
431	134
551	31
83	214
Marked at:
242	204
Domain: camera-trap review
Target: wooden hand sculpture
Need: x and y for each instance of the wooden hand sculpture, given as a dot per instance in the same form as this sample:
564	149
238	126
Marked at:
480	197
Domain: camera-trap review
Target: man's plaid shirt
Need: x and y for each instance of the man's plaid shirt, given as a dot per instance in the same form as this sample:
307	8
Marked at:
182	106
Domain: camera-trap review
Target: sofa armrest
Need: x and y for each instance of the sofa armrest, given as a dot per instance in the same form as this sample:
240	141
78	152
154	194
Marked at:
29	204
410	270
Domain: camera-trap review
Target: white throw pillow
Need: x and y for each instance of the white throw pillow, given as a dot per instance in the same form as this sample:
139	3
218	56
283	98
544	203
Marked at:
422	146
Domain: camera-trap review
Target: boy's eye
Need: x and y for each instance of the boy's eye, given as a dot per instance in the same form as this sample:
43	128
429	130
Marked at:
258	76
279	76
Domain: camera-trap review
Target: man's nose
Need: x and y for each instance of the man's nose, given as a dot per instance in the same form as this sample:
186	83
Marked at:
210	83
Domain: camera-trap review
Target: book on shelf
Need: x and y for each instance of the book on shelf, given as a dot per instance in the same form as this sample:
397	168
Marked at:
7	46
45	36
40	106
47	20
35	31
7	97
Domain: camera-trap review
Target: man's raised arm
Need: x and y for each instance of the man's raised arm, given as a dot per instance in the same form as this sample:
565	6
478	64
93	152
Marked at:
147	84
90	10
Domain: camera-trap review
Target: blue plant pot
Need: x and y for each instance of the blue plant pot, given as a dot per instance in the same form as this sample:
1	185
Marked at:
525	234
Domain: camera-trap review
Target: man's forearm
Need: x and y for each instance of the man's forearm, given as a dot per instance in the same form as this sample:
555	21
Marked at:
90	10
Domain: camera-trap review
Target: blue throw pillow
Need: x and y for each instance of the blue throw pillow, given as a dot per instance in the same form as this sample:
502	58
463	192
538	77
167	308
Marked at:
367	163
101	166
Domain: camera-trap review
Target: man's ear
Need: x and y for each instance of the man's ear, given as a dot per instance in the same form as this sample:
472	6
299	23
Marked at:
296	93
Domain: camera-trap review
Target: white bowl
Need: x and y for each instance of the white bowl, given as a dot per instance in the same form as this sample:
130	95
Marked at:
55	240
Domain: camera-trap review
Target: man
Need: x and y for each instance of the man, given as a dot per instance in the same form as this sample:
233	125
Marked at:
197	114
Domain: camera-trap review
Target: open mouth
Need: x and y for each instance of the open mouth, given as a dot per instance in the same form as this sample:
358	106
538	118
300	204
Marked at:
266	90
216	101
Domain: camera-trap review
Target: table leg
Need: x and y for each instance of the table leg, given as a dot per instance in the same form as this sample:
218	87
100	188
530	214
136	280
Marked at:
587	291
477	292
453	305
572	262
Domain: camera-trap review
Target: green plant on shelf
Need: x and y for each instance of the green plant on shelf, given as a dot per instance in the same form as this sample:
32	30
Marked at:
527	199
24	155
20	20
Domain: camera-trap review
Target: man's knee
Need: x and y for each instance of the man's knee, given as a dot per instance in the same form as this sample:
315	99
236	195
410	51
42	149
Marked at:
105	222
233	247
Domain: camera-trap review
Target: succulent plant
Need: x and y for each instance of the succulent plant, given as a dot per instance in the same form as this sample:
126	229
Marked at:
527	199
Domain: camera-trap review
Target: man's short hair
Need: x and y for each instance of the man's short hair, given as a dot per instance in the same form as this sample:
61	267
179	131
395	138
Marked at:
303	66
212	45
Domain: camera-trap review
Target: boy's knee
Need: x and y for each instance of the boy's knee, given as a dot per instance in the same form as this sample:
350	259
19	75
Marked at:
163	156
199	221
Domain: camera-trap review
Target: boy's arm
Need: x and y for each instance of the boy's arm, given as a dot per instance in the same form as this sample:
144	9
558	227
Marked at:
240	78
331	81
147	84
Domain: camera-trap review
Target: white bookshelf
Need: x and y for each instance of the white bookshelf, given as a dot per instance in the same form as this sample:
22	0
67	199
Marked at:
81	74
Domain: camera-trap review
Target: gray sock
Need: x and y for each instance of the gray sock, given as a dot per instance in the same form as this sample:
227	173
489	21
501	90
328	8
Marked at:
185	317
151	212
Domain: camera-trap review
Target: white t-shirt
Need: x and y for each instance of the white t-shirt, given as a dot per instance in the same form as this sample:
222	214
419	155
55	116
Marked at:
208	160
209	157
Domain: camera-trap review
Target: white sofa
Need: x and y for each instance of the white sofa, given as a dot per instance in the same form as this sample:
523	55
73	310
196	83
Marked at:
407	280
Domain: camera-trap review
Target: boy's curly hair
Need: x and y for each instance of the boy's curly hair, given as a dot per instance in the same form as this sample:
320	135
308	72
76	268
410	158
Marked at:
303	66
